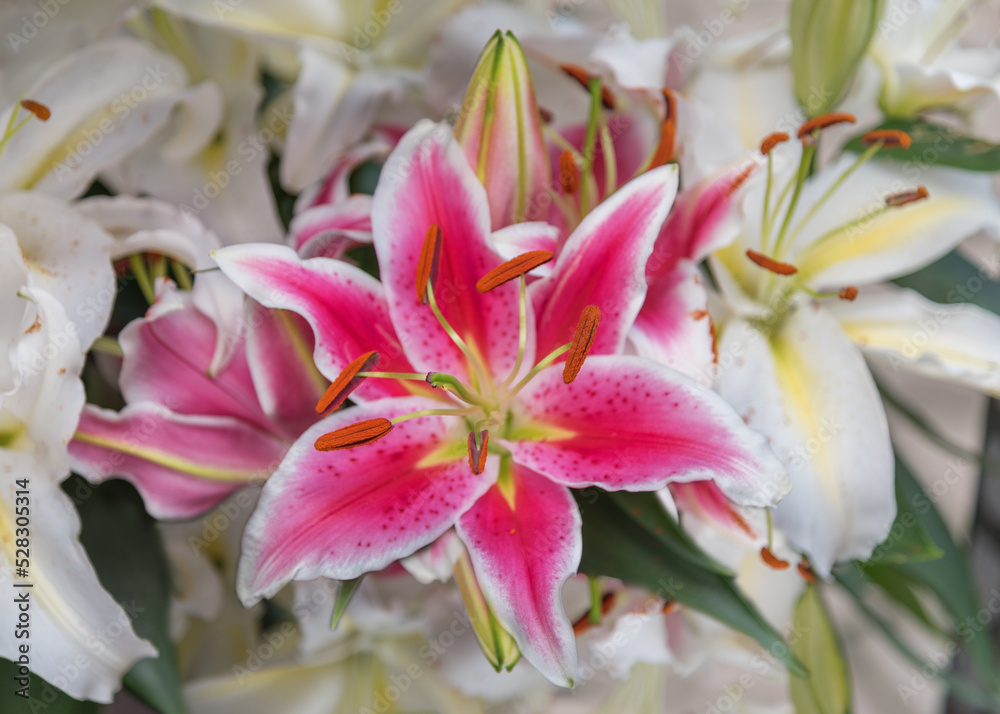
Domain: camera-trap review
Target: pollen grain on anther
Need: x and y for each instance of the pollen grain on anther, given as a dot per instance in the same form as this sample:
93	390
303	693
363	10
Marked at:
849	293
772	140
823	121
428	261
477	451
583	77
512	269
569	174
768	263
37	108
888	137
583	340
901	199
773	561
359	434
346	382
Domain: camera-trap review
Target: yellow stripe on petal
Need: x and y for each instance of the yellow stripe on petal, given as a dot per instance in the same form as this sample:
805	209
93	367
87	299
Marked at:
887	233
170	461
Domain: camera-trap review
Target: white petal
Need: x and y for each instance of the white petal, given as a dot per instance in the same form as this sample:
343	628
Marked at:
13	308
67	256
899	240
225	186
808	390
334	106
106	100
72	618
957	343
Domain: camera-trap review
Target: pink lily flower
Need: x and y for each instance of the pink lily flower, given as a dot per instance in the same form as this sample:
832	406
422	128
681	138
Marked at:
189	437
495	448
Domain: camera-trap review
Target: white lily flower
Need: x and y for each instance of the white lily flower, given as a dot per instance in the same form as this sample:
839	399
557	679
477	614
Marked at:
211	160
383	654
793	367
922	64
106	100
354	56
80	639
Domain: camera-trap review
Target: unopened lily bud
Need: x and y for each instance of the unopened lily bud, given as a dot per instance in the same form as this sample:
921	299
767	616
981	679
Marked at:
497	644
829	39
500	129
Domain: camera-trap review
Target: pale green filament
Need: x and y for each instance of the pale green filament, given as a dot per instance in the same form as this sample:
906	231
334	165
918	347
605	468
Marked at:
522	332
861	160
432	412
549	359
455	337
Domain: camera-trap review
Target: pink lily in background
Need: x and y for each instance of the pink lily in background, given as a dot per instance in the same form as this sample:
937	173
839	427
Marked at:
190	436
483	428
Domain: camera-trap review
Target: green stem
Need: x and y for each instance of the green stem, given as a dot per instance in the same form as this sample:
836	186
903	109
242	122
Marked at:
595	601
138	266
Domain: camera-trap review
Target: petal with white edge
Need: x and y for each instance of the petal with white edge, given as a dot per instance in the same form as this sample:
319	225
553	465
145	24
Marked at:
603	263
340	514
523	537
808	390
628	423
345	307
426	182
181	465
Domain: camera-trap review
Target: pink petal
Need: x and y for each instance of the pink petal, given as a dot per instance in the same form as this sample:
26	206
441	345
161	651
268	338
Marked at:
523	551
628	423
674	327
697	224
336	186
428	181
513	240
344	306
705	497
182	465
279	350
603	263
330	229
167	360
340	514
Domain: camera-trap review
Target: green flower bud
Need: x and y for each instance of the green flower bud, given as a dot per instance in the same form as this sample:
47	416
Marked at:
500	130
829	39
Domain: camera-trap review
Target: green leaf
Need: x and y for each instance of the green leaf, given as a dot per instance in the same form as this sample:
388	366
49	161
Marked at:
43	697
851	577
649	514
618	545
936	145
125	548
901	588
949	578
952	280
826	690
